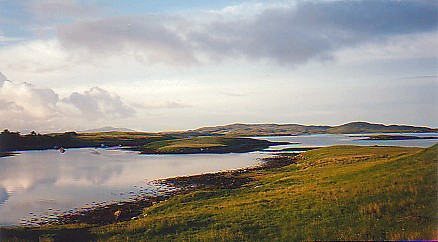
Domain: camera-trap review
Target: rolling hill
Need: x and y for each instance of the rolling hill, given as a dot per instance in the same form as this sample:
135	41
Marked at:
107	129
240	129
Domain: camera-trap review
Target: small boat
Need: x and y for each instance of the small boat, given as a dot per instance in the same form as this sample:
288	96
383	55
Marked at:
62	150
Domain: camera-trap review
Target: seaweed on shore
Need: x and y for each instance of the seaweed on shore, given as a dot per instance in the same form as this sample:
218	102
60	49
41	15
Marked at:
170	187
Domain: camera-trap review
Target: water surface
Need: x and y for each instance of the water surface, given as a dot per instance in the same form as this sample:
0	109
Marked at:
37	182
46	182
322	140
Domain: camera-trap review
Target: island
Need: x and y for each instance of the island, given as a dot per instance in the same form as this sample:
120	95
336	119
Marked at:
144	143
217	139
332	193
398	137
322	193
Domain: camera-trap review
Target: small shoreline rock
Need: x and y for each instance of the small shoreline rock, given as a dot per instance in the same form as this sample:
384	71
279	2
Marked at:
103	214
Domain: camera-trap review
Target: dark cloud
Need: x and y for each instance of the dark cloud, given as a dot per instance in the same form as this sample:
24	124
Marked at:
316	29
288	35
97	103
4	195
147	38
2	78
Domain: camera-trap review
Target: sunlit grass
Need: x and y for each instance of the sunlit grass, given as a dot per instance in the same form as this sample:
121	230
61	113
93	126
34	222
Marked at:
334	193
204	144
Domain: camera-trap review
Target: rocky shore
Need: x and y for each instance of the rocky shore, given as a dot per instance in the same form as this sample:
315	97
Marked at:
103	213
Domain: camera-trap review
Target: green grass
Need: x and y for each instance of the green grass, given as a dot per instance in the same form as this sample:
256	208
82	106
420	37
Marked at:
204	144
336	193
333	193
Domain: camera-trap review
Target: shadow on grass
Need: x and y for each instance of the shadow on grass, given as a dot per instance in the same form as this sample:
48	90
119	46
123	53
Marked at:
76	234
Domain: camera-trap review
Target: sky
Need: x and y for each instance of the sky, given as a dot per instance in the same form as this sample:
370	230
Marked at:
178	65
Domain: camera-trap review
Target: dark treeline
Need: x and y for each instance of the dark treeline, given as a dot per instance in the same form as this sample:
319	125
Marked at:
14	141
145	143
11	141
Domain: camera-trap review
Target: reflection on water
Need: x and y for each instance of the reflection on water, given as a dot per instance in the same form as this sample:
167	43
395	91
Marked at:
322	140
37	181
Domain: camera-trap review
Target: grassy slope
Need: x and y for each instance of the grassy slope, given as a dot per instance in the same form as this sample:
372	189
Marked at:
148	143
73	140
288	129
334	193
204	144
337	193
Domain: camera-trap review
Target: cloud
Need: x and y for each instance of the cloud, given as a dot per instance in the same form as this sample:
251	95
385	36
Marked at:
23	105
54	8
234	94
97	103
315	29
4	195
34	56
25	98
4	39
148	38
2	78
288	35
166	105
408	46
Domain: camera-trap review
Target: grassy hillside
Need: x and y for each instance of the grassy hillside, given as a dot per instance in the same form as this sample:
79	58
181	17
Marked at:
365	127
297	129
13	141
334	193
258	129
204	145
146	143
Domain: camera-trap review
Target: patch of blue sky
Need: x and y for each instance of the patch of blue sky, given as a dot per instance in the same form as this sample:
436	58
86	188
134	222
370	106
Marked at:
14	19
139	7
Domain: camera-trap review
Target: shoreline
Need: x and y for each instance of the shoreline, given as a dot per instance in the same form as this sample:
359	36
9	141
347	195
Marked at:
7	154
104	213
320	187
263	144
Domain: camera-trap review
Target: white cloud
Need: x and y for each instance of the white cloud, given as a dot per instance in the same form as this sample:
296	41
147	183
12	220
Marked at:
97	103
165	105
398	47
24	105
231	65
34	56
289	35
35	102
5	39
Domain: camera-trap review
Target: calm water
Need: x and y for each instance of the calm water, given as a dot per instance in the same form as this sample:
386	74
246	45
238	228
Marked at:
321	140
37	182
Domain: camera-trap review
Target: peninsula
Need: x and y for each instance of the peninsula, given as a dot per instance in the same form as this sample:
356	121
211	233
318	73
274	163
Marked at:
217	139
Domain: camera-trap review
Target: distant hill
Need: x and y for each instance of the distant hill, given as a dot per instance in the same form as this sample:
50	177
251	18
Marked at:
259	129
107	129
365	127
240	129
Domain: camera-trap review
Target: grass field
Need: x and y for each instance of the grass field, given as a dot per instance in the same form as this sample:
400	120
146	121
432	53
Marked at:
333	193
203	144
